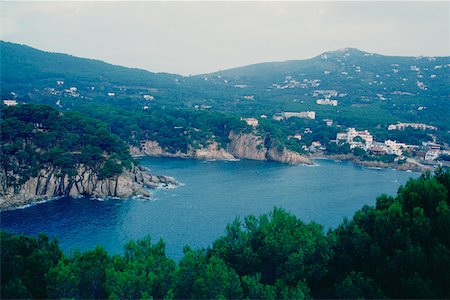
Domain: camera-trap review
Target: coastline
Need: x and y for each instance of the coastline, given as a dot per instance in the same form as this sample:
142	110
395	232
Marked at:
407	166
33	202
47	186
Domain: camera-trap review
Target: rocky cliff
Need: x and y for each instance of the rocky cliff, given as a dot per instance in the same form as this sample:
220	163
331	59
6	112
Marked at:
247	145
241	145
50	183
289	157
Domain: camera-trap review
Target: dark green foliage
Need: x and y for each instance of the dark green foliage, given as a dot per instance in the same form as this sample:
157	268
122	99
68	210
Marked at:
402	244
174	129
24	263
82	275
110	168
35	136
143	271
397	249
371	95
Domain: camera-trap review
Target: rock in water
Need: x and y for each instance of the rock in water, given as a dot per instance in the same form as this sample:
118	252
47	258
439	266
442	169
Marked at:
50	183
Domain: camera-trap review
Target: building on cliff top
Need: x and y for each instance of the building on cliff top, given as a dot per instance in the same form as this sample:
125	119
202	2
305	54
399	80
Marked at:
250	121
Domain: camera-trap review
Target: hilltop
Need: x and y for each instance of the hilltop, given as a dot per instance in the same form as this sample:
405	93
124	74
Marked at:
327	94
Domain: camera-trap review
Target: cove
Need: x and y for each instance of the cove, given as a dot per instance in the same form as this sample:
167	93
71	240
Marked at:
212	195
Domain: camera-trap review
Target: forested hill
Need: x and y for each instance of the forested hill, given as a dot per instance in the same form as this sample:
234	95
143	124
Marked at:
372	90
398	249
367	72
23	66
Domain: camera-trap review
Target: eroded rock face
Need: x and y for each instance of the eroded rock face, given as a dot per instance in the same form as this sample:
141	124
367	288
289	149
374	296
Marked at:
247	145
213	151
241	145
289	157
50	183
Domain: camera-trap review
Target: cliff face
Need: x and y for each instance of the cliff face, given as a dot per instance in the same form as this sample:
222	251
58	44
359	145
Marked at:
289	157
247	145
213	151
242	145
50	184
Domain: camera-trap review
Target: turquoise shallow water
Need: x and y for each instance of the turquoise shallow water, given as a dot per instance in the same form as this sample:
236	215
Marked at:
212	195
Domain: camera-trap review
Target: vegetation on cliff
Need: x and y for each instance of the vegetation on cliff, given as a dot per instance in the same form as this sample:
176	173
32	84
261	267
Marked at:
35	136
398	249
178	129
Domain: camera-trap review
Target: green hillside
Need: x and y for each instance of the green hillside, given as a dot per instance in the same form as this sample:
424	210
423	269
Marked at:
372	90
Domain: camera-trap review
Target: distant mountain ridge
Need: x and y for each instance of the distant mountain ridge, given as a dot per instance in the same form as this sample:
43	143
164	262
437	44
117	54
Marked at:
365	85
59	65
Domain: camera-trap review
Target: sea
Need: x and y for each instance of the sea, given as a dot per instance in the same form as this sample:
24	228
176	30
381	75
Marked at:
211	195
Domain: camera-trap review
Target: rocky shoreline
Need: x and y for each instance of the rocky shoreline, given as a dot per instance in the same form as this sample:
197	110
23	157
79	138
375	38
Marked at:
51	184
241	146
407	166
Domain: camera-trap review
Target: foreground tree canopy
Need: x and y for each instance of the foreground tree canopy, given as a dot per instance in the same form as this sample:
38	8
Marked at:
398	249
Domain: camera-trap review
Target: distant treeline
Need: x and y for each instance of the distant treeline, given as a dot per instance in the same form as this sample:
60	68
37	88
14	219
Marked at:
398	249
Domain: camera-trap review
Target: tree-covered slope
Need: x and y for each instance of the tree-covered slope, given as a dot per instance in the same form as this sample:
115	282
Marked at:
22	65
372	90
35	136
398	249
352	69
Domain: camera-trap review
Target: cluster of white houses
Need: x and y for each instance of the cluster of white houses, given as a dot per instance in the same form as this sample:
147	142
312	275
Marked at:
363	139
403	126
360	139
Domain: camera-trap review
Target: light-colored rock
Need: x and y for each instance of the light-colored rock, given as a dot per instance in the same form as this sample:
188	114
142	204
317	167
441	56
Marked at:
152	148
241	145
247	145
50	183
213	151
289	157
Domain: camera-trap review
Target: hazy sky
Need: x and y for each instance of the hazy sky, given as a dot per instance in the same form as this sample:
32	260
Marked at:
198	37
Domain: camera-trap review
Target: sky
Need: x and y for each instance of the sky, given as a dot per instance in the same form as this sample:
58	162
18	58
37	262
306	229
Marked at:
201	37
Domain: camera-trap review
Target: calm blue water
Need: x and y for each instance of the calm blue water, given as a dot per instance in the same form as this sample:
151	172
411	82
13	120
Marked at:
213	194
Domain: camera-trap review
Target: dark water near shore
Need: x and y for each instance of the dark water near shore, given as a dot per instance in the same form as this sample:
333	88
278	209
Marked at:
213	194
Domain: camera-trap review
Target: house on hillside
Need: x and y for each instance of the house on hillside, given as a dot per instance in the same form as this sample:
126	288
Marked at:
251	121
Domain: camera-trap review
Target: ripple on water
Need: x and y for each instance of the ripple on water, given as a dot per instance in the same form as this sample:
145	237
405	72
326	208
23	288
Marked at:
213	193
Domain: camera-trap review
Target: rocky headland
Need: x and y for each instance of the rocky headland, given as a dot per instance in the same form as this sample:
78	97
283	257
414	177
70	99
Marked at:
51	183
406	166
240	146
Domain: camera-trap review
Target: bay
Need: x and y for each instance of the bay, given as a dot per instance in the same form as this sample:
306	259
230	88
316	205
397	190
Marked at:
212	194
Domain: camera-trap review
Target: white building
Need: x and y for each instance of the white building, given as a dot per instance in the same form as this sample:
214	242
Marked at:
304	114
327	102
251	121
329	122
325	93
392	147
10	102
352	134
